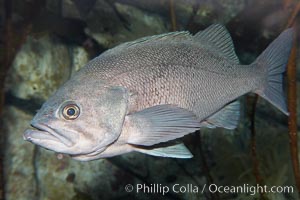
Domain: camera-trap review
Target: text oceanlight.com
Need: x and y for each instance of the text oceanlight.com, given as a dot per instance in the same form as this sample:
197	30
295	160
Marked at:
213	188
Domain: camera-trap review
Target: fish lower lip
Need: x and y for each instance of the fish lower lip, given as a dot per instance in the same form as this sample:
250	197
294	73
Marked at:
46	133
31	134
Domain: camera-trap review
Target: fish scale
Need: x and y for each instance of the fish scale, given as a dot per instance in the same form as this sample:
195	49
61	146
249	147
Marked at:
183	82
187	88
142	94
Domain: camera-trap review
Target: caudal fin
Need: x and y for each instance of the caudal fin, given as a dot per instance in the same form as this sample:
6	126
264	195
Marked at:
275	59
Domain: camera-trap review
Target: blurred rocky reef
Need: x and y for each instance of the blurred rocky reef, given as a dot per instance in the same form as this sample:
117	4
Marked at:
49	40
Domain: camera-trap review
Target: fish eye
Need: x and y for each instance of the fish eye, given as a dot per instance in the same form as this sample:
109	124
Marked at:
70	111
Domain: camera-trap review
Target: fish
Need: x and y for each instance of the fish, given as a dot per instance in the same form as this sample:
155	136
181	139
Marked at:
143	95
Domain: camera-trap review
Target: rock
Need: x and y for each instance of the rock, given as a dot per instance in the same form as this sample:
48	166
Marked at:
39	68
229	9
183	8
130	20
69	177
77	9
54	6
44	63
136	24
79	58
70	10
108	21
39	173
233	165
19	169
200	12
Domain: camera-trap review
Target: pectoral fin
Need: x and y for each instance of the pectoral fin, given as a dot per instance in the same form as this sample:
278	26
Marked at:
227	117
158	124
174	151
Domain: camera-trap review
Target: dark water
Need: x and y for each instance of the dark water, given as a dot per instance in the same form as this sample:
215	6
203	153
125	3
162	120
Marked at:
45	41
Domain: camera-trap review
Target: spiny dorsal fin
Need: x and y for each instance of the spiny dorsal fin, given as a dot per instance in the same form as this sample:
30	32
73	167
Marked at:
171	37
217	38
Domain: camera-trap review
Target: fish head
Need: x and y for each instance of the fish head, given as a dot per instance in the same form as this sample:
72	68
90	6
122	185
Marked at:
82	117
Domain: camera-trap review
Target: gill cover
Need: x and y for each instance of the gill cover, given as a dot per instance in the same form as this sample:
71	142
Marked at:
114	108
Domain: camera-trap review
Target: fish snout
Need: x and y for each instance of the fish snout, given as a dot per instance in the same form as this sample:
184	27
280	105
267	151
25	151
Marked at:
45	132
26	135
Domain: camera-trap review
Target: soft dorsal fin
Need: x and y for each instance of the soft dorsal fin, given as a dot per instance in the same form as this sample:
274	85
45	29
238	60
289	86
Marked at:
217	38
171	37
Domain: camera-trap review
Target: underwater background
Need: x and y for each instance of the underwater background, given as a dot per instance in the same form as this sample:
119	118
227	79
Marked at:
43	42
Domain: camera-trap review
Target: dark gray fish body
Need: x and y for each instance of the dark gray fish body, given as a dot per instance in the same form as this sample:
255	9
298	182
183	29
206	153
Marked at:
183	74
156	89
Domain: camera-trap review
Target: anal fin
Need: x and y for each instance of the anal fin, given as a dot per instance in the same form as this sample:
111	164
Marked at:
227	117
173	151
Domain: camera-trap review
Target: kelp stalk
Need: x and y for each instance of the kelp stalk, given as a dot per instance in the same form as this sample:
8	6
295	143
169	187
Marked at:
292	96
252	100
13	38
4	66
292	107
173	15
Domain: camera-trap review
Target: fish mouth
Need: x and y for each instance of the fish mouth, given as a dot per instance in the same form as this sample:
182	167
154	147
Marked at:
43	132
